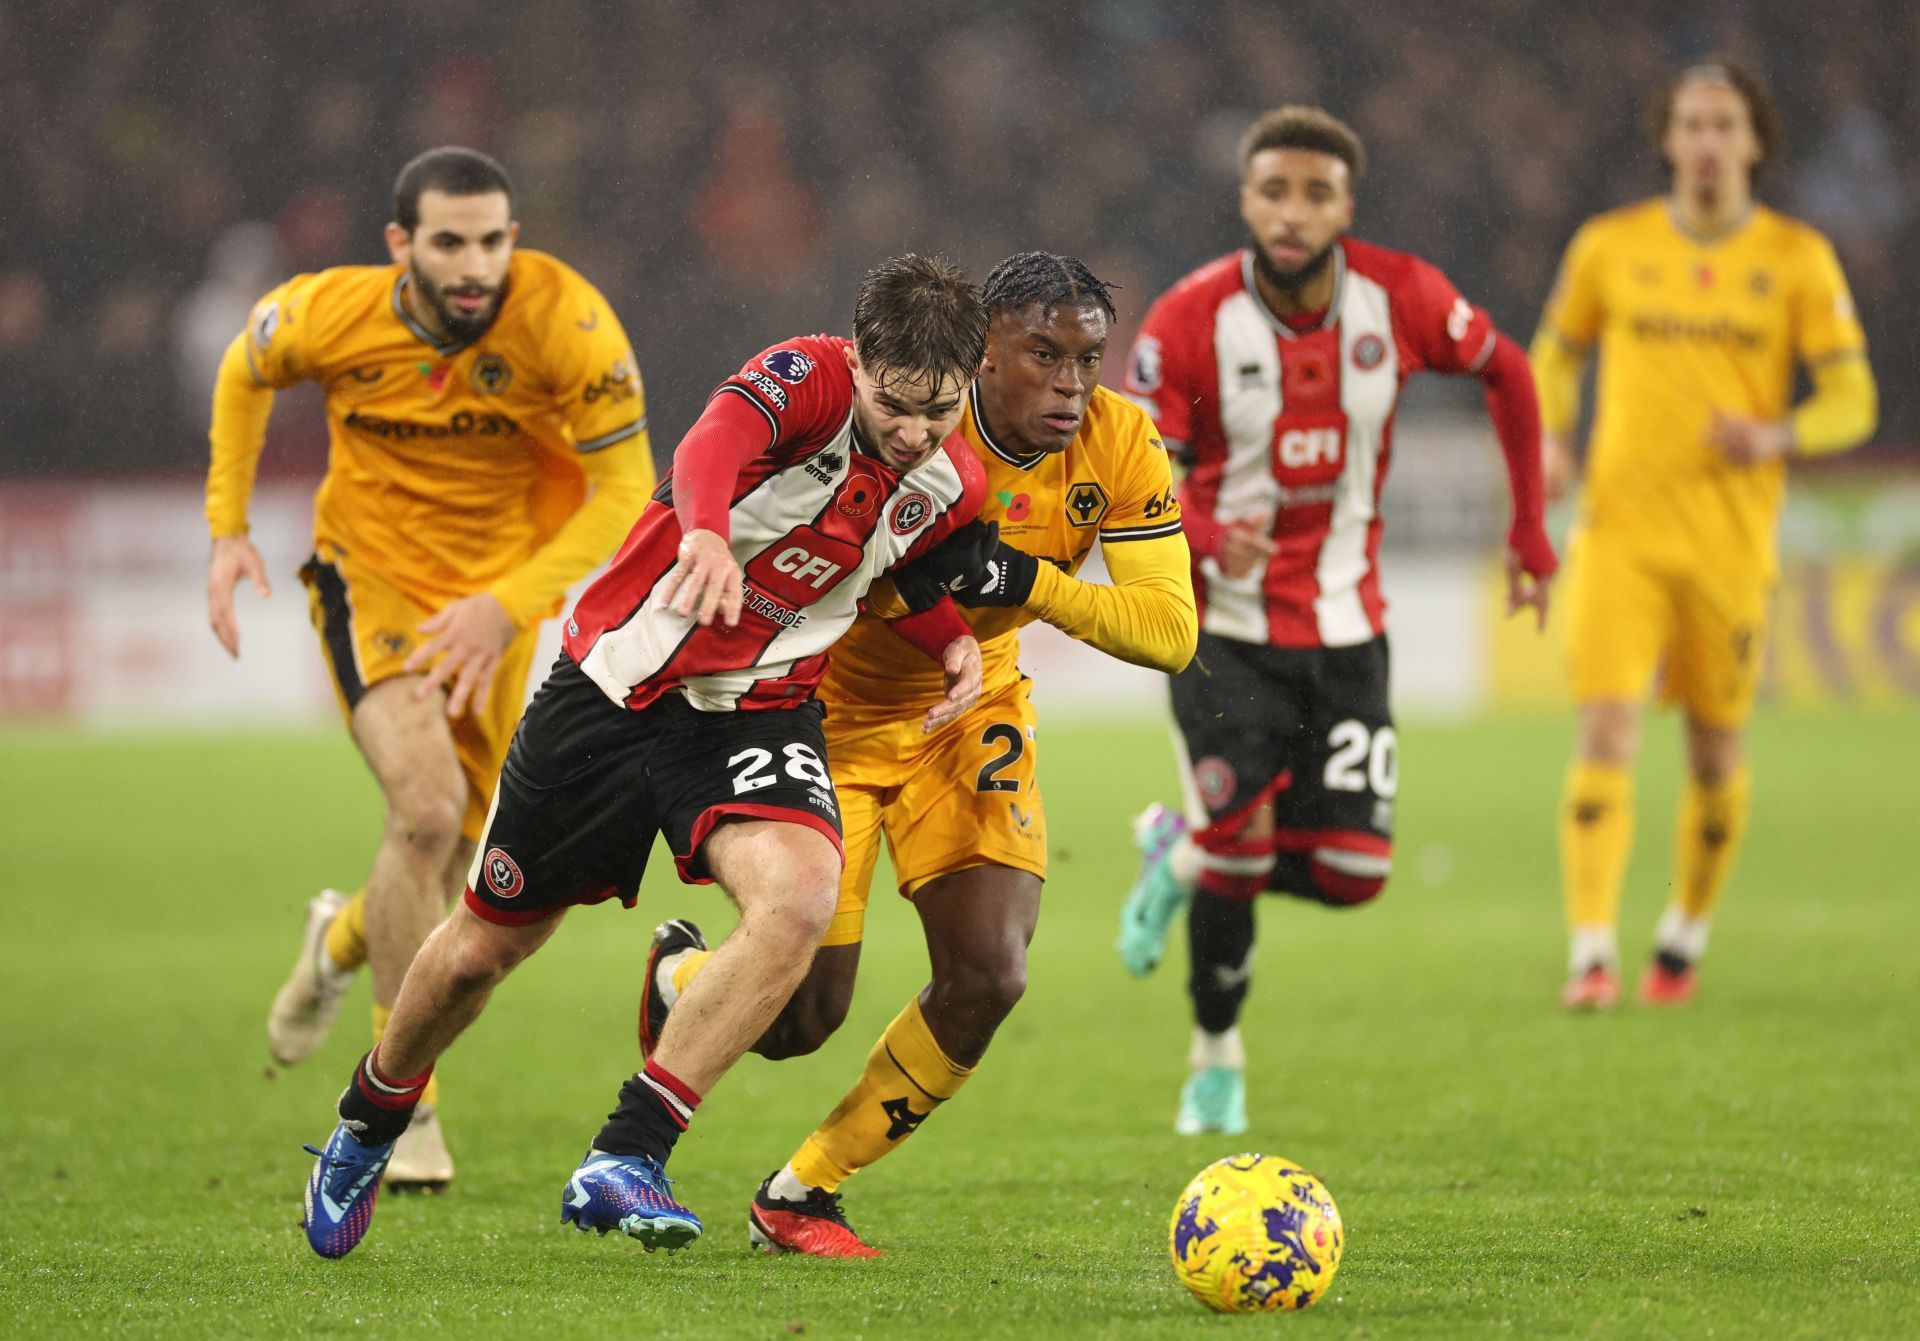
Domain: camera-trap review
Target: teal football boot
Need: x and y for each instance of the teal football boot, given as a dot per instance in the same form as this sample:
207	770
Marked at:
1214	1099
1156	897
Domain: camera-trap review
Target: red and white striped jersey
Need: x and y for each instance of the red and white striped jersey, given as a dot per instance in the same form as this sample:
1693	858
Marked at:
1292	429
816	518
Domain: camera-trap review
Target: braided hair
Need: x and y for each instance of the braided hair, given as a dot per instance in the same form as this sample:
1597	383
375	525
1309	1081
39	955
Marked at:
1030	277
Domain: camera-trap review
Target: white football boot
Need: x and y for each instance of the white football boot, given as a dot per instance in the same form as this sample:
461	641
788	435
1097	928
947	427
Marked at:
421	1162
306	1005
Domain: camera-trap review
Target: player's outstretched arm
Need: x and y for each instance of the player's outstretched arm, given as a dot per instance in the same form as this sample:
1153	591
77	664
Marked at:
1515	410
241	407
1147	617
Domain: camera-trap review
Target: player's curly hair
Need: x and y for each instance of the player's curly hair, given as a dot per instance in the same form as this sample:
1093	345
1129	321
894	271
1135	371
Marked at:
1299	127
1720	70
919	316
1042	277
452	169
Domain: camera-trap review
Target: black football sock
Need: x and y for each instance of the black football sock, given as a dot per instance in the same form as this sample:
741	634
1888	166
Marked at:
376	1107
1220	941
655	1107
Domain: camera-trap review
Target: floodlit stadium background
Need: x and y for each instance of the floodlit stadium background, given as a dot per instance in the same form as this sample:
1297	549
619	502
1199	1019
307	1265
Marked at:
726	171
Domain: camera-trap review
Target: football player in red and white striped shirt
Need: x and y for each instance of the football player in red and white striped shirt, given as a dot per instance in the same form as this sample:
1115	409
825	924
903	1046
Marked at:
683	705
1274	374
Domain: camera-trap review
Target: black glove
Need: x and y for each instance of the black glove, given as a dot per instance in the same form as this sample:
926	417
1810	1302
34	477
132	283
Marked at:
959	560
1005	579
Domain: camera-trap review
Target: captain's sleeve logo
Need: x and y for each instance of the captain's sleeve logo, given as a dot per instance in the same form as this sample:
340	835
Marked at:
1143	364
266	322
789	365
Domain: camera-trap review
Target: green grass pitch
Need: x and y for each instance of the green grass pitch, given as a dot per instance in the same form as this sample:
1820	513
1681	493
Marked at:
1746	1168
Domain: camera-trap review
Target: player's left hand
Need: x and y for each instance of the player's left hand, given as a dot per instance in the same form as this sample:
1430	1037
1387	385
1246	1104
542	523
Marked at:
1527	586
1749	442
467	638
961	662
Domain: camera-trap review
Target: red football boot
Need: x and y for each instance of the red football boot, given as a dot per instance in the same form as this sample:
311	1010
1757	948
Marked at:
816	1226
1668	981
1596	989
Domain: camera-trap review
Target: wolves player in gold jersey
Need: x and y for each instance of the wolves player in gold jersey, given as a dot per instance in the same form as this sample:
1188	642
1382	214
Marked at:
1068	463
1703	303
488	448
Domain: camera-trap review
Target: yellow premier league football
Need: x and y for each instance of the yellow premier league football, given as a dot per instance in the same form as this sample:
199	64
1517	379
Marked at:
1255	1233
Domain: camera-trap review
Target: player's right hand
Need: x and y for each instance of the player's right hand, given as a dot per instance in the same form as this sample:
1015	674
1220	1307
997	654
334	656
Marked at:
1557	467
1528	585
705	581
234	557
1244	550
961	662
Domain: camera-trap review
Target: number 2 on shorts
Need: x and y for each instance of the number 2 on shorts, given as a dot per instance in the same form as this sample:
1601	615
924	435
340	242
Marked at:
1012	746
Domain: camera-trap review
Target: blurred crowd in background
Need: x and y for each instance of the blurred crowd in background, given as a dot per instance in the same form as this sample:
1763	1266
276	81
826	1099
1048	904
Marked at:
725	170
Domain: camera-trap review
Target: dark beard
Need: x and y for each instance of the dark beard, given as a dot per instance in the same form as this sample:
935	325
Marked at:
1296	279
460	328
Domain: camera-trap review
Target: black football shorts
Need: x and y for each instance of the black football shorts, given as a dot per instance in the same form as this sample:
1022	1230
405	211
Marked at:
588	783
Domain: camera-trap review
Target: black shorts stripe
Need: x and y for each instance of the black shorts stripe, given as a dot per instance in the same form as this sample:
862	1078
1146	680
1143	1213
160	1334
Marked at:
336	629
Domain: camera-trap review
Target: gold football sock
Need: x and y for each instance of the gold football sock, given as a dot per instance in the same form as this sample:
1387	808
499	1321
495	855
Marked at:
1596	833
347	936
1713	821
690	963
429	1096
907	1077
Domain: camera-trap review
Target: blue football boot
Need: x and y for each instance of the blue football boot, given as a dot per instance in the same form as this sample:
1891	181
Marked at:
341	1191
630	1193
1156	897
